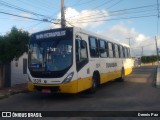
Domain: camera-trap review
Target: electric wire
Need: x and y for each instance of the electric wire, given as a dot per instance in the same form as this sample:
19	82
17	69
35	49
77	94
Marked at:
133	17
44	20
20	9
118	11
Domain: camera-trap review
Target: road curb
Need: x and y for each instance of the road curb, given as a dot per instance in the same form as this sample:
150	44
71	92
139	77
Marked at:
2	96
158	77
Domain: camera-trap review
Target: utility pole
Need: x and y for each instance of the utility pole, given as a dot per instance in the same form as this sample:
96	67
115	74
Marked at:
157	50
129	41
129	45
142	50
63	22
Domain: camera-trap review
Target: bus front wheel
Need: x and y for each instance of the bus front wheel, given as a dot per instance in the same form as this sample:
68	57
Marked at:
94	84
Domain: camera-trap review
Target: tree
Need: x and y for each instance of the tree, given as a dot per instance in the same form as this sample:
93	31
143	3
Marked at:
13	45
149	59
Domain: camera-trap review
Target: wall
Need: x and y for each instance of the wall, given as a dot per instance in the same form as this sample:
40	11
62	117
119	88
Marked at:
18	72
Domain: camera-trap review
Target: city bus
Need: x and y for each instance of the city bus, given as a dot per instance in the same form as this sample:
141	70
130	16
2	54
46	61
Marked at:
71	60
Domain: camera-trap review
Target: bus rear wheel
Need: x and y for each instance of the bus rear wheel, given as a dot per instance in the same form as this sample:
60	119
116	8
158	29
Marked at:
121	79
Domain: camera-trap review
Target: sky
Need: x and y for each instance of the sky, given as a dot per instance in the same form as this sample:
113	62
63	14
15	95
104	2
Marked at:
120	20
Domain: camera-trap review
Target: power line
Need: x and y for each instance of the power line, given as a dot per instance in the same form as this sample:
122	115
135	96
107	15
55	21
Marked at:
82	3
115	4
105	16
36	6
124	10
20	9
116	11
117	18
76	3
102	4
151	44
44	20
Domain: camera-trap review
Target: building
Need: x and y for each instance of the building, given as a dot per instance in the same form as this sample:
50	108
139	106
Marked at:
19	70
14	73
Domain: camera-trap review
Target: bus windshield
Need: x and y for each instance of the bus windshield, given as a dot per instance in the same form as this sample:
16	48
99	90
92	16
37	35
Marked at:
55	55
50	53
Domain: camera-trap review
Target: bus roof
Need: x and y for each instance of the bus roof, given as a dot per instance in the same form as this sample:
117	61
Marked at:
99	36
87	33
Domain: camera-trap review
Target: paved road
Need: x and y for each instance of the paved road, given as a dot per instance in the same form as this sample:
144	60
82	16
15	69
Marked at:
137	93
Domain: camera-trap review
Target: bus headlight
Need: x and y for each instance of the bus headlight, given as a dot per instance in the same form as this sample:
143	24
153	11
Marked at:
68	78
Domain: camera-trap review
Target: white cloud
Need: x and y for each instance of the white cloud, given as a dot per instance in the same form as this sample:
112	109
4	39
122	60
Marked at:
121	33
141	38
118	32
80	19
25	14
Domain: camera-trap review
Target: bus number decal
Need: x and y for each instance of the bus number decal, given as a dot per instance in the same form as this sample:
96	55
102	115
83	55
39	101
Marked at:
108	65
36	80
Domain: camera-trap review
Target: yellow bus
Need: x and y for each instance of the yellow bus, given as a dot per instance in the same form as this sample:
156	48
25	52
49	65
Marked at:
71	60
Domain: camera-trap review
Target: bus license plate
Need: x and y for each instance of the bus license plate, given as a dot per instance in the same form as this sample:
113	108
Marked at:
46	91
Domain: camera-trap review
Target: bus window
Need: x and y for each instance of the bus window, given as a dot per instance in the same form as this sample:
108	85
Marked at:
116	51
121	52
110	50
103	49
93	47
128	51
125	52
81	54
113	48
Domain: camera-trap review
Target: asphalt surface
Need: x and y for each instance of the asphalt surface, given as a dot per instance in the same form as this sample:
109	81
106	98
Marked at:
136	93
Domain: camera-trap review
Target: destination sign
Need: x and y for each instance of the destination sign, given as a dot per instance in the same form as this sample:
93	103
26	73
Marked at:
51	34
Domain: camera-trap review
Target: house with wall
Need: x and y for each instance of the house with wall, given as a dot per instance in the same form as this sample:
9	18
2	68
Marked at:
19	70
14	73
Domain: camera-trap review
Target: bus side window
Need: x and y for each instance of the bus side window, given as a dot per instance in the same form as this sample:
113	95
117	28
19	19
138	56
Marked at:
113	48
110	49
129	54
121	52
125	52
103	49
124	55
116	51
93	47
81	54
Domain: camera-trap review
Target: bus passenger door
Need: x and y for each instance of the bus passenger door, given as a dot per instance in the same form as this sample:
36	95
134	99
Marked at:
82	65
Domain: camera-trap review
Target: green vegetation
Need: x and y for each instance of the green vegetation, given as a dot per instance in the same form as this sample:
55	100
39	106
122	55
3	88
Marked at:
149	59
13	45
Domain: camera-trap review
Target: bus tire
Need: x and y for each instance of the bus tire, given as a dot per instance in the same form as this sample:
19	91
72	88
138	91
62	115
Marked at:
121	79
94	86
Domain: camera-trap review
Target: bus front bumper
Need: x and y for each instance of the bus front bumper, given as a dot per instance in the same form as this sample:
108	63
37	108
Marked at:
54	88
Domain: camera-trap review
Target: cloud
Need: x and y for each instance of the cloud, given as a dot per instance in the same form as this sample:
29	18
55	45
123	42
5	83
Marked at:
24	14
80	19
118	32
121	34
